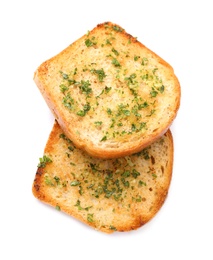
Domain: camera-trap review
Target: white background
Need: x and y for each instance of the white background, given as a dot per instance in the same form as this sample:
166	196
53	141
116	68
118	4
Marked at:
33	31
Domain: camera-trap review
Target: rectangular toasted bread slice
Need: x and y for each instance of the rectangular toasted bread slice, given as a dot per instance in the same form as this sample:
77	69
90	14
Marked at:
111	95
107	194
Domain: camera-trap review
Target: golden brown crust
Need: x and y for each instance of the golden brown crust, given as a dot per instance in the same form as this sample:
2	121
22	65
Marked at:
118	96
99	191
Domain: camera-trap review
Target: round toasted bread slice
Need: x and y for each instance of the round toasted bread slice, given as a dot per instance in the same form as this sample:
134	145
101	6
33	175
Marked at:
111	95
107	194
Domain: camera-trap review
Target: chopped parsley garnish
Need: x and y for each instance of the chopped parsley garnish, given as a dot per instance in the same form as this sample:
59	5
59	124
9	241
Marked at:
68	101
98	123
104	138
78	204
84	87
43	161
117	28
90	217
75	183
90	42
115	51
153	93
112	228
100	73
83	112
116	63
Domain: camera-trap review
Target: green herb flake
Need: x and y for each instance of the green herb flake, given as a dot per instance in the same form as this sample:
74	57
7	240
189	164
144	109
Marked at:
57	179
98	123
81	190
153	93
151	113
136	58
115	51
154	70
125	174
43	161
145	154
117	28
116	63
63	136
64	75
84	87
48	181
91	42
90	217
107	89
75	183
135	173
141	183
71	148
68	101
137	199
58	207
78	204
154	175
161	89
130	79
94	167
104	138
112	228
100	73
125	183
144	62
109	111
83	112
63	88
108	42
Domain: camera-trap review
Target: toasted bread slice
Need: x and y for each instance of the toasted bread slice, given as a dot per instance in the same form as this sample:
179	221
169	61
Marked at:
111	95
108	194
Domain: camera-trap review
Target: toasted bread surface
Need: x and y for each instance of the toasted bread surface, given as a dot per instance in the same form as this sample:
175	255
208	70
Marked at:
109	195
111	95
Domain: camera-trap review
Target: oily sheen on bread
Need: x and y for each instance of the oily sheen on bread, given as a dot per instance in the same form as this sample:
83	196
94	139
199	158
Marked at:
111	95
109	195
